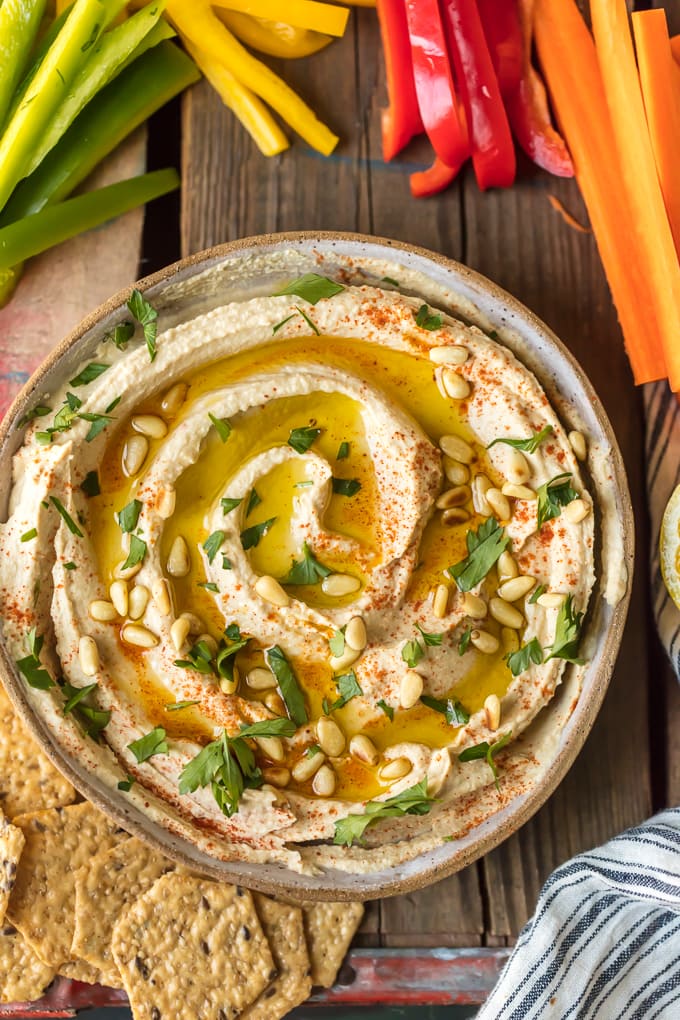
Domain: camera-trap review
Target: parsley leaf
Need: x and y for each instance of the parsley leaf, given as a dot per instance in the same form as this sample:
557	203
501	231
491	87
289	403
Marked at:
147	317
30	666
343	451
536	594
120	335
288	684
280	325
348	688
68	520
39	411
28	536
311	287
222	426
529	445
252	535
98	423
228	766
93	720
312	750
389	279
136	554
212	544
312	325
346	486
432	640
229	503
337	642
208	585
455	714
89	374
74	695
179	705
487	752
567	633
127	517
90	484
427	320
412	653
150	744
521	659
70	565
484	548
552	497
307	570
126	784
464	641
301	439
269	728
414	801
253	501
387	709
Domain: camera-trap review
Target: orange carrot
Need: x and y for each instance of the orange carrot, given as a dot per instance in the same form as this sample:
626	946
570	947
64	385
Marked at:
662	105
572	74
651	243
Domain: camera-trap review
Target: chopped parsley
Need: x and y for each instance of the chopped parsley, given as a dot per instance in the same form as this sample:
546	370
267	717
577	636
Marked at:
486	751
337	642
348	687
312	325
229	503
312	288
179	705
301	439
126	784
308	570
427	320
412	652
268	728
90	484
147	317
253	501
127	517
39	411
30	666
432	640
312	750
252	535
343	451
291	691
520	660
484	548
28	536
70	565
388	279
567	633
120	334
529	445
387	709
66	517
454	712
346	486
464	641
414	801
552	497
89	373
149	745
213	544
536	594
222	426
98	423
280	325
208	585
136	554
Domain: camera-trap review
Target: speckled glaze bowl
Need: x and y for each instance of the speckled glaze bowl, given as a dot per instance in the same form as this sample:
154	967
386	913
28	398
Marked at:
212	278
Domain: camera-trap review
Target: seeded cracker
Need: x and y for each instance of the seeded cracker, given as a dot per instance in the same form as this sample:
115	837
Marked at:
286	935
329	928
105	887
190	948
11	845
81	970
28	779
23	975
58	843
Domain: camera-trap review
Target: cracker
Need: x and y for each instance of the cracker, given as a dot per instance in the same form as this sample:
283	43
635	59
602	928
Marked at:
23	975
109	883
329	928
58	843
285	933
81	970
191	948
28	779
11	845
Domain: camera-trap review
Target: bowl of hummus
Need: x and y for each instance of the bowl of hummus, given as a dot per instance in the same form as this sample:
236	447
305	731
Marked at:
315	561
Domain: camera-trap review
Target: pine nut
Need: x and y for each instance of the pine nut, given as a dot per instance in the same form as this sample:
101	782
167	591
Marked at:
456	496
492	708
480	486
507	567
138	601
271	748
396	768
126	573
178	564
355	634
167	501
274	703
118	593
174	398
150	425
456	515
269	589
410	688
440	601
457	449
516	588
134	454
195	623
88	653
141	637
518	491
275	775
517	467
455	472
340	662
439	382
330	737
363	748
509	640
307	766
179	632
209	641
474	606
576	511
455	385
505	613
499	504
160	591
449	355
484	642
578	444
102	611
230	686
323	783
261	679
340	584
550	600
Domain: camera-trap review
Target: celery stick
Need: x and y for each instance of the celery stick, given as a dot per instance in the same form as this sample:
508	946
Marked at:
19	24
49	86
106	60
58	223
147	84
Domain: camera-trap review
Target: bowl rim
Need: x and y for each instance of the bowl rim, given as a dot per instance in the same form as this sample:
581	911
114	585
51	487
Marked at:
518	811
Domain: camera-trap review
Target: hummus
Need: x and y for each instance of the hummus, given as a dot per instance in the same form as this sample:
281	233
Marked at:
349	521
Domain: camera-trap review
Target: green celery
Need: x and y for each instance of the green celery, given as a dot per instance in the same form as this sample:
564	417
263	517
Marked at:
19	24
57	223
49	87
107	58
37	56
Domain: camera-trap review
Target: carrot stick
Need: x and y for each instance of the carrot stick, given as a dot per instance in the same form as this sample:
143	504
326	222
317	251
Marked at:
652	240
572	74
662	105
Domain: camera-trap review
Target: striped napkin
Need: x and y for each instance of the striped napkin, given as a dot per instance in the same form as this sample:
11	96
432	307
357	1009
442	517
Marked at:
604	941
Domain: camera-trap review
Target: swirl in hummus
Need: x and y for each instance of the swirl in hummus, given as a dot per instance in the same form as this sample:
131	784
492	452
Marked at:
303	516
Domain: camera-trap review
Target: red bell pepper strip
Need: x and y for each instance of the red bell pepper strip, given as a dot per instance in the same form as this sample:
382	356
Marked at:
528	109
401	121
433	180
493	151
503	33
434	82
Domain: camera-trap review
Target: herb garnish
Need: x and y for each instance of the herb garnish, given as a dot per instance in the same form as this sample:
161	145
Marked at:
312	288
387	709
552	497
312	750
280	325
348	687
126	784
179	705
388	279
427	320
68	520
312	325
127	517
412	652
31	667
98	423
536	594
229	503
337	642
414	801
70	565
567	633
222	427
487	752
120	335
212	544
455	714
268	728
484	548
521	659
90	484
288	684
150	744
89	373
136	554
301	439
253	501
28	536
432	640
252	535
39	411
308	570
93	720
464	641
343	451
147	317
208	585
529	445
346	486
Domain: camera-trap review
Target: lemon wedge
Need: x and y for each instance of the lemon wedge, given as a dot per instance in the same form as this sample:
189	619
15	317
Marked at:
669	547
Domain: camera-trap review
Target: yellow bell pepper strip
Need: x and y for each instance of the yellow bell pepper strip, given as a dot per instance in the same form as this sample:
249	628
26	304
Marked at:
49	87
108	57
19	24
37	55
197	23
274	38
251	111
34	234
318	17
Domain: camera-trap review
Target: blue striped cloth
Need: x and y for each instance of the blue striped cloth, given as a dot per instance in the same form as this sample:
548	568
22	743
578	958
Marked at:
604	941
